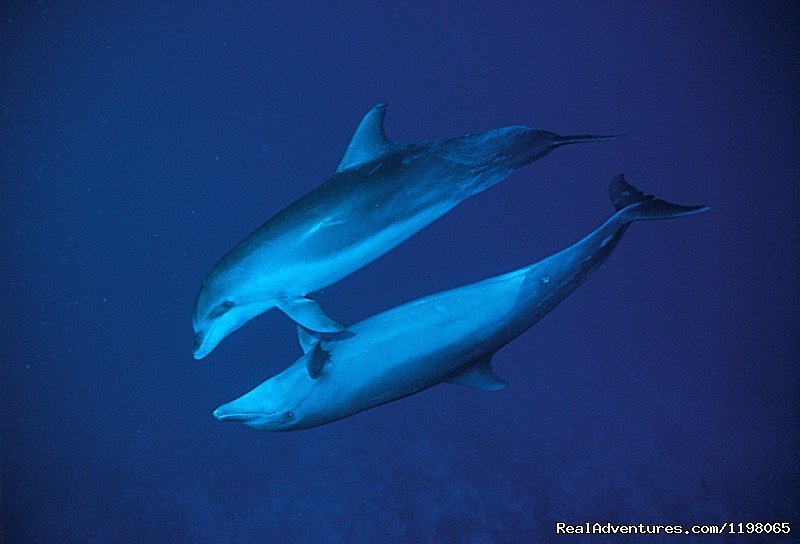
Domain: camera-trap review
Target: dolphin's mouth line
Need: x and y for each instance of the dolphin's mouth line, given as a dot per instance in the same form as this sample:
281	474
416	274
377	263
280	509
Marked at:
240	417
244	417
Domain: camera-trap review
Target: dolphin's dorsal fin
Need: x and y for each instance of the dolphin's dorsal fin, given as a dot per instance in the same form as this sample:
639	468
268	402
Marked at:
369	140
316	358
480	376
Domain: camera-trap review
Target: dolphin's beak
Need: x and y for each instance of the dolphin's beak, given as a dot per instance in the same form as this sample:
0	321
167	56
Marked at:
198	341
200	353
201	348
583	138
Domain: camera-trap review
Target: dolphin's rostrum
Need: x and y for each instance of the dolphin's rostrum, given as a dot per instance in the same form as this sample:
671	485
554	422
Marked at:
446	337
381	194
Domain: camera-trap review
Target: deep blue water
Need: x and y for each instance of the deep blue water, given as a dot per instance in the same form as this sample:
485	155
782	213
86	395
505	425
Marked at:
140	143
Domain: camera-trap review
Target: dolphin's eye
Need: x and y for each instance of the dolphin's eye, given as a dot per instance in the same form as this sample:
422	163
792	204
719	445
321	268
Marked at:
221	309
288	415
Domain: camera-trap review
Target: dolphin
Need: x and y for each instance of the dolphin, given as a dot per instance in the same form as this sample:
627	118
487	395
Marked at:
446	337
381	194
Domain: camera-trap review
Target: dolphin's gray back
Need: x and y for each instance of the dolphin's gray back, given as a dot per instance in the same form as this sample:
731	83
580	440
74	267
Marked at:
349	207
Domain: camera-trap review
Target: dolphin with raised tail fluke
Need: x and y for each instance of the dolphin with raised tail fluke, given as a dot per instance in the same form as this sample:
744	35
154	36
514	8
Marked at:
381	194
446	337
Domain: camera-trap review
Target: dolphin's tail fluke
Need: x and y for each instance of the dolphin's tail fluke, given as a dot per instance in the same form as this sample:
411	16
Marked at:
583	138
634	205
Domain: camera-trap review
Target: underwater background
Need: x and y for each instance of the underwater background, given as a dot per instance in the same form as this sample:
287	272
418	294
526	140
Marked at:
142	140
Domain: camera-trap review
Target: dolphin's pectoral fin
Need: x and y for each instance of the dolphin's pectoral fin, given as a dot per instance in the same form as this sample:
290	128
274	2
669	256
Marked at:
307	338
309	314
316	358
369	140
480	376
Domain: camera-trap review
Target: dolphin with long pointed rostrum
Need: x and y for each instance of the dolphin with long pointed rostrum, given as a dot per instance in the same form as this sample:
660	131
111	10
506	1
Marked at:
447	337
381	194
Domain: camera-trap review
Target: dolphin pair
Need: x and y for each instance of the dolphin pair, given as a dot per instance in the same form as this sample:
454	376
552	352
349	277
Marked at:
381	194
446	337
